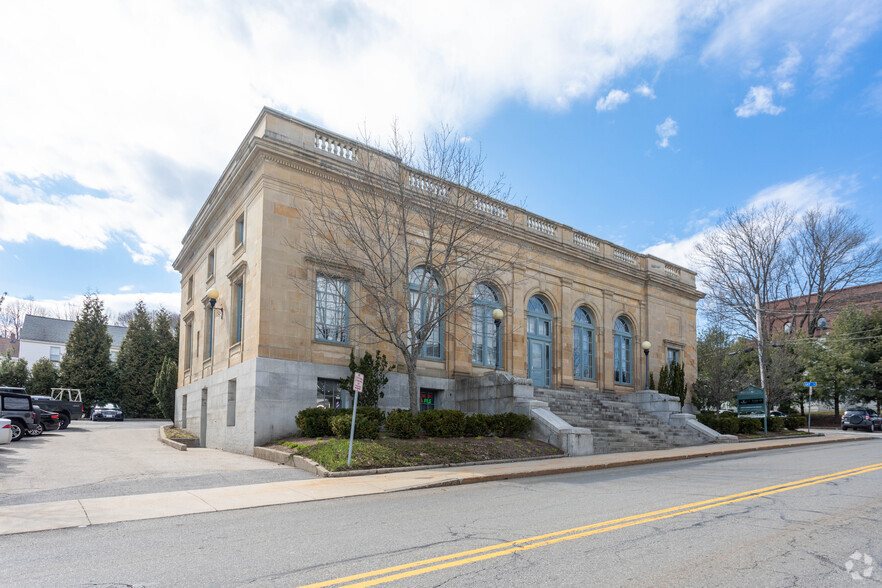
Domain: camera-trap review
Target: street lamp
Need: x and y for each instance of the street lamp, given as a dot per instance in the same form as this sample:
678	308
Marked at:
213	295
646	345
497	320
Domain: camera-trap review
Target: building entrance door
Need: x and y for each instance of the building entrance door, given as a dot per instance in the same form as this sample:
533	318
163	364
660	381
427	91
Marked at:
539	342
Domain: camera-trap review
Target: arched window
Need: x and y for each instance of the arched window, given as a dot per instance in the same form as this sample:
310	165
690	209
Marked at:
822	323
583	345
622	350
539	341
425	298
485	342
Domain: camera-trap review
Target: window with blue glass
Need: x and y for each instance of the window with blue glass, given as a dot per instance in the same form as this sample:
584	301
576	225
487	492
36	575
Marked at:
331	313
583	345
239	294
425	299
622	351
485	339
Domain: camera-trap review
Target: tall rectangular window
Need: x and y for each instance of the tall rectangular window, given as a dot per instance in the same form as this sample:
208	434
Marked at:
239	293
331	314
231	403
673	356
240	230
210	265
188	344
209	333
189	288
55	354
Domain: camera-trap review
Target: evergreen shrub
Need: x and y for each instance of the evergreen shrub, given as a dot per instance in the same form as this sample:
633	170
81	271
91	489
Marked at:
749	426
402	424
443	423
365	426
795	422
510	424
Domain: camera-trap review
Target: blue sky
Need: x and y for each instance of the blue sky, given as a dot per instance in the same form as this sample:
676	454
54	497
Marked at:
638	122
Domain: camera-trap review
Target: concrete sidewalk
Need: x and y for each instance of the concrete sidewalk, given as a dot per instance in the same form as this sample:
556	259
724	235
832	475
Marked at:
25	518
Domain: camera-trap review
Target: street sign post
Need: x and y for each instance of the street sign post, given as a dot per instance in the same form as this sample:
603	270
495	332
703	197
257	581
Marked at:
357	385
810	386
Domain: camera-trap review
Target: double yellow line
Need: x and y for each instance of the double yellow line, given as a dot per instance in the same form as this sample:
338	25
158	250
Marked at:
484	553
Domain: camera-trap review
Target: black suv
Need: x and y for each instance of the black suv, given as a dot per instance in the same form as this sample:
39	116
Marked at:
861	418
18	408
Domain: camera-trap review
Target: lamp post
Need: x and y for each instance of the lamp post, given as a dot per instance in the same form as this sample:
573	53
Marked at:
646	345
497	320
213	295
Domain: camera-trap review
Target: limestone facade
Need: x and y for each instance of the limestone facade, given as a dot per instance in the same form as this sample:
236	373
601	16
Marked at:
244	375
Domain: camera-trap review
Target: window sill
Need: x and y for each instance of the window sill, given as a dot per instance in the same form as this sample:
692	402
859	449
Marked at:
434	359
209	280
238	249
335	343
585	379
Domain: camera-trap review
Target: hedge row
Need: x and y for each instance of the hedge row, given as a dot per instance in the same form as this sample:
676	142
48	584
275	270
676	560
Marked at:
732	425
403	424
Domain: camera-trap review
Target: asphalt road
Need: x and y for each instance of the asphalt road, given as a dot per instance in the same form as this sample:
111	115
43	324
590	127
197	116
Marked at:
99	459
709	533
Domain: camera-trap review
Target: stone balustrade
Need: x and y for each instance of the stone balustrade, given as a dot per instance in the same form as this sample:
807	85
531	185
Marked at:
541	225
335	146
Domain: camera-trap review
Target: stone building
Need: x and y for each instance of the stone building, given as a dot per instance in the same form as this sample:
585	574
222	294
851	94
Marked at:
278	338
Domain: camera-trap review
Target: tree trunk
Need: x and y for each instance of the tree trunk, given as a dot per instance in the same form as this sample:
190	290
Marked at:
413	387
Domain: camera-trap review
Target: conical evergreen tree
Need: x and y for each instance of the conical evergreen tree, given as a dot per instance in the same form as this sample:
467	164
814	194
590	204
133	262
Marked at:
86	363
164	388
137	366
166	345
44	377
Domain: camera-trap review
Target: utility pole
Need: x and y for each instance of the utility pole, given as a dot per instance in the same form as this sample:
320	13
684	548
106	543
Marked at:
762	366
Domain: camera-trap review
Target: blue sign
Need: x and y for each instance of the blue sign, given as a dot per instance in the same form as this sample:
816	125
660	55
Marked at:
809	384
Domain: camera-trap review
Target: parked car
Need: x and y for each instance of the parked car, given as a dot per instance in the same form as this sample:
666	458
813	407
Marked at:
861	418
19	409
107	412
67	409
47	420
5	431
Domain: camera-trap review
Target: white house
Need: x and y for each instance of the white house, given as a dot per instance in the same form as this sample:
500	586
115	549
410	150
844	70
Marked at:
42	336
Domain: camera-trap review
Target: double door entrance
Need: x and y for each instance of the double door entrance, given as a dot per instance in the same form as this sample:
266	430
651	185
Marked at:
539	342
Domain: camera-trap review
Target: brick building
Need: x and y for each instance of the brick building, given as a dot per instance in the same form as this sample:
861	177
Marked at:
865	297
576	311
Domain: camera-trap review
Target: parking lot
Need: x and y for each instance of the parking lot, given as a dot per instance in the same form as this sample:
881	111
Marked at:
98	459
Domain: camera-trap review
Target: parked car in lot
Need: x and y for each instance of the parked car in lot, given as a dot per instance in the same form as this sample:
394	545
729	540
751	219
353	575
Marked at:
107	412
67	409
19	409
47	420
5	431
861	418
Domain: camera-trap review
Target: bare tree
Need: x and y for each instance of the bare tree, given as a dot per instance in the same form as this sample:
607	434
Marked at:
12	316
745	257
832	250
413	231
68	311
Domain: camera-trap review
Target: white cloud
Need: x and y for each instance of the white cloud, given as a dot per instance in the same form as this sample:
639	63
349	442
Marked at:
142	104
829	31
786	69
645	90
665	131
800	195
126	288
612	100
759	100
465	139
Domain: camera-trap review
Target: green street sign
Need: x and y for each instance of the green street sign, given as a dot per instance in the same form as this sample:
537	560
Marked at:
751	400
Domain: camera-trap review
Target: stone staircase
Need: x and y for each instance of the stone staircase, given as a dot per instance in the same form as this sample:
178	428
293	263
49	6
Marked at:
617	426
